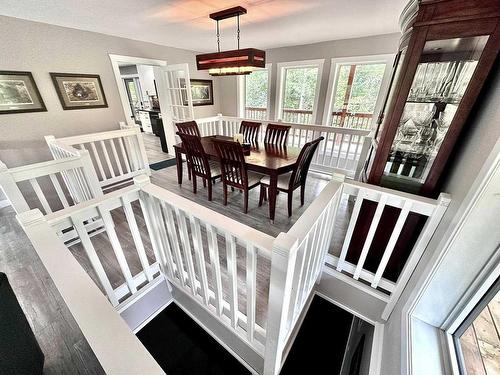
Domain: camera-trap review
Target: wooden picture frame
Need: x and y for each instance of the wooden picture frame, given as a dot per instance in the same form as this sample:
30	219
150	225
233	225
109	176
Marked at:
202	92
79	91
19	93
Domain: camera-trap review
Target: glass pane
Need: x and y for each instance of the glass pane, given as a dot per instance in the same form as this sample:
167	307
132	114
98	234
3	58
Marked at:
442	76
256	94
356	94
299	94
133	91
480	343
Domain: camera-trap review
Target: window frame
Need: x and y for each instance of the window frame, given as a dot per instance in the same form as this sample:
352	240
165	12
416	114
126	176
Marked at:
335	65
241	92
280	87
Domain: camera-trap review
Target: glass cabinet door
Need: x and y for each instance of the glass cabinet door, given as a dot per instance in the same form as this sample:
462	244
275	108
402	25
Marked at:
441	79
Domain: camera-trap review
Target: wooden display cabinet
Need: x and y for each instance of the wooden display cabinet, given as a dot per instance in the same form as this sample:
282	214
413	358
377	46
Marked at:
447	50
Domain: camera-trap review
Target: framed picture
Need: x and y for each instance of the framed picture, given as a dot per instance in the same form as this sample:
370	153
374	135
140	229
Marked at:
202	92
19	94
79	91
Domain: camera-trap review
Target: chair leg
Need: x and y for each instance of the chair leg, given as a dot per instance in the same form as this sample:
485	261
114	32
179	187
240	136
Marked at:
209	190
261	196
245	199
189	172
194	183
204	182
290	200
224	187
302	193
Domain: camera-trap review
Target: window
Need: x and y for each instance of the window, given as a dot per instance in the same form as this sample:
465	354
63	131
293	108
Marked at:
254	90
355	85
298	93
477	340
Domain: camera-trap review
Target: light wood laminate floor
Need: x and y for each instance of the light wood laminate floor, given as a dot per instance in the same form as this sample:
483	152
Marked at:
66	350
153	148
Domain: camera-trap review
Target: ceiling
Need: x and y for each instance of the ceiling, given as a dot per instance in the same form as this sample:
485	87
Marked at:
185	23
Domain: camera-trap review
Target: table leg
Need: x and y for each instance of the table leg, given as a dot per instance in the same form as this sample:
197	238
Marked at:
178	160
273	190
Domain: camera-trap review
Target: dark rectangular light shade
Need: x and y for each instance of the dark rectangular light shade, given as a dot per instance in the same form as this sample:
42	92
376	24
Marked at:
248	57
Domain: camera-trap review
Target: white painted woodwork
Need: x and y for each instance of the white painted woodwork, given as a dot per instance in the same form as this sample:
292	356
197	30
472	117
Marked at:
105	156
343	150
179	230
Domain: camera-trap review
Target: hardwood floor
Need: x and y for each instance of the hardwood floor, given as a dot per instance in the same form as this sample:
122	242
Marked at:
66	350
59	336
153	148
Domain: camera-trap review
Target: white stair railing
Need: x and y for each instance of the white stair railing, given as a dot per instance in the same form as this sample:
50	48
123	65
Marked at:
46	184
212	259
117	155
343	150
374	282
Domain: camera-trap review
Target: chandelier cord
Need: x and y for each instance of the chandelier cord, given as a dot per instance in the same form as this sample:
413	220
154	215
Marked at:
238	32
218	37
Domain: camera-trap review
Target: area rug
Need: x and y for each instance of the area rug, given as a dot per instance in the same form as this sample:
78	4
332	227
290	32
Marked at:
162	164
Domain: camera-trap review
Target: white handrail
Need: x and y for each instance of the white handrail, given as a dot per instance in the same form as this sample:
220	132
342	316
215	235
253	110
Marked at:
181	231
115	346
117	155
343	150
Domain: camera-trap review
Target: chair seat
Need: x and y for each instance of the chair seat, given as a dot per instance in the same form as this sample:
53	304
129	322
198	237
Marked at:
214	169
254	178
283	181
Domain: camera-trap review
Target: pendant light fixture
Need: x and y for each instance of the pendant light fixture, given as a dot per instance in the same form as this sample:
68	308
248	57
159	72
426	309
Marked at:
233	62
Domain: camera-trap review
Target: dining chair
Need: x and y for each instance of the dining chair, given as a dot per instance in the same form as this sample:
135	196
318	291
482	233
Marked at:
198	162
290	181
277	134
188	127
234	169
250	131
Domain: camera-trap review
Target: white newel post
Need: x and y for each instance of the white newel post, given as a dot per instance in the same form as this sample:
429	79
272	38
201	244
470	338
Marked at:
142	152
367	143
220	124
280	286
90	174
11	190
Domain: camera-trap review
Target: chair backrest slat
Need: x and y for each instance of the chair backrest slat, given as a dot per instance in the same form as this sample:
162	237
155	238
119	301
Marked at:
232	161
196	157
188	127
301	169
277	134
250	131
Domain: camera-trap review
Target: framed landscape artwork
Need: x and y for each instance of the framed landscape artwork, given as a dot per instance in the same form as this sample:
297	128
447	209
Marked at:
202	92
19	93
79	91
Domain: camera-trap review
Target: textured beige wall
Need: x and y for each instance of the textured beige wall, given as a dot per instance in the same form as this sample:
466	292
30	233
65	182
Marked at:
40	49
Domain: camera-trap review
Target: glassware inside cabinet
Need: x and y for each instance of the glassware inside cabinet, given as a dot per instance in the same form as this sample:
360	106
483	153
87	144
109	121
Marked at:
441	79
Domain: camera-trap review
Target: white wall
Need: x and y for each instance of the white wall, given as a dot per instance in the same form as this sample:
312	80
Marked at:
373	45
482	132
42	48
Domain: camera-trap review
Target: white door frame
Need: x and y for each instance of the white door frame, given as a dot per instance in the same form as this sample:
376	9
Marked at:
334	70
115	60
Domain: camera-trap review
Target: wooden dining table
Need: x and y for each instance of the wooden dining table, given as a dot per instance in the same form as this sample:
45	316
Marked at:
267	159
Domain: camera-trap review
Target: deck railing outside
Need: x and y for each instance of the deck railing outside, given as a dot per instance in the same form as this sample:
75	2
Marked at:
352	120
256	113
117	155
342	151
297	116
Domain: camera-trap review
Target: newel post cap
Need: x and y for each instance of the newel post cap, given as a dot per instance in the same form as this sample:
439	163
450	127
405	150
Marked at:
141	180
